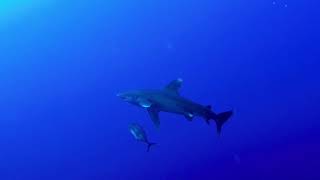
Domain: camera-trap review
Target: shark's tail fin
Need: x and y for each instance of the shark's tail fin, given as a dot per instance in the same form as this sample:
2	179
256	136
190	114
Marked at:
221	118
149	145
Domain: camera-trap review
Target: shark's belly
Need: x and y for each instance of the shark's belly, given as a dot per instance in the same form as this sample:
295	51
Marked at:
178	105
172	107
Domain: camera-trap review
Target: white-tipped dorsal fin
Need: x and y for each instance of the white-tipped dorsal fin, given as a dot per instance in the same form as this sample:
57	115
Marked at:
174	86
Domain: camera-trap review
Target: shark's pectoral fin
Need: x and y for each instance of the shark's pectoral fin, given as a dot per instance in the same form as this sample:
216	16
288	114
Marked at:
154	115
144	103
174	86
207	121
189	116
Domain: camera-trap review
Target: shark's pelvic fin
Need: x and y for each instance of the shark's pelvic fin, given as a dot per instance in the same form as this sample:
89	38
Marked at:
174	86
189	116
154	115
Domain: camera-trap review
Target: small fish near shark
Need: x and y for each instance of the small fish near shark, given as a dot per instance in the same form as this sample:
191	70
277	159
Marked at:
169	100
140	135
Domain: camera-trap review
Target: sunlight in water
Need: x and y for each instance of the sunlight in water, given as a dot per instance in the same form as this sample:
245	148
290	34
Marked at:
11	9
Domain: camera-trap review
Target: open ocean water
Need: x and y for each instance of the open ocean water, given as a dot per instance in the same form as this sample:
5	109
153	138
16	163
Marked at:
63	62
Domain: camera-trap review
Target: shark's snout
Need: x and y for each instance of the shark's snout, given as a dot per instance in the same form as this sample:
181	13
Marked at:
124	96
121	95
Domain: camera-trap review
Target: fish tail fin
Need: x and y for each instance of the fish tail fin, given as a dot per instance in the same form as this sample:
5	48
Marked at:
221	118
149	145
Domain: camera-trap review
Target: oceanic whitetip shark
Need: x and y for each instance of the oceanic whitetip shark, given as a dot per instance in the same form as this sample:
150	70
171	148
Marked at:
169	100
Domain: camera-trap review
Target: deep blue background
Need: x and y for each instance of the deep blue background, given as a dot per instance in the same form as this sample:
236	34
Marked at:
62	63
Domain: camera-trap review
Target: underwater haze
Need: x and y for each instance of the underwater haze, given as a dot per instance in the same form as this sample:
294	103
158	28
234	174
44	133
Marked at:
62	64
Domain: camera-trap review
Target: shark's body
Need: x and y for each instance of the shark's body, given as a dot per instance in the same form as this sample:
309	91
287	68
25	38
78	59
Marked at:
169	100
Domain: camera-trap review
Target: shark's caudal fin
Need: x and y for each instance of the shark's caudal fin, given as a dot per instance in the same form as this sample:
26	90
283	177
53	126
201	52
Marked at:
149	145
221	118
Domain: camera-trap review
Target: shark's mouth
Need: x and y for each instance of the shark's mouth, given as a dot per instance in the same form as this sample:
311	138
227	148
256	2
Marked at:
123	97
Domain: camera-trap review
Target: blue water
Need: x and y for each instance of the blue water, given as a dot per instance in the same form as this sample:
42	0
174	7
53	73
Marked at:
63	62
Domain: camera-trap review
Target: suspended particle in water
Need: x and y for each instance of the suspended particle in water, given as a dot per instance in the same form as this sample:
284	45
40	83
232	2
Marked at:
274	3
286	5
236	158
